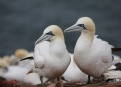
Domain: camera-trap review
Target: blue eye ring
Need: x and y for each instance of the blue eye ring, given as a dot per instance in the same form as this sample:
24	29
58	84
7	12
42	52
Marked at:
50	33
82	25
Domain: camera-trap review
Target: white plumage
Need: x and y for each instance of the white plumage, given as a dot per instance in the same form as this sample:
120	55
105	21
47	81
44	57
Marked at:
92	55
33	78
15	73
74	74
51	58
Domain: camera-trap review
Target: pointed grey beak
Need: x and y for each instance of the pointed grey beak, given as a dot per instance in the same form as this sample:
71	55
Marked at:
44	37
73	28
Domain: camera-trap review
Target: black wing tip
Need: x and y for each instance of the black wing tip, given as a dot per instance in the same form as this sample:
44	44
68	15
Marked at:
116	49
27	58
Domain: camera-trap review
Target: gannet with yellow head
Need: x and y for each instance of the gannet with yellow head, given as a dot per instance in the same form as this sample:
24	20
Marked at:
51	57
91	54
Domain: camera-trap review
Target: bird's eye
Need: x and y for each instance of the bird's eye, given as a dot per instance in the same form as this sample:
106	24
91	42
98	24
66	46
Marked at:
50	33
81	25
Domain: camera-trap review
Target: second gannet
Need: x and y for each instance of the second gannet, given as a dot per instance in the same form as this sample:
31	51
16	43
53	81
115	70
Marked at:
51	58
91	54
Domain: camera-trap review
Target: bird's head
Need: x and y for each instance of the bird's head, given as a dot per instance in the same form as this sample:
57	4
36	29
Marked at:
84	24
51	33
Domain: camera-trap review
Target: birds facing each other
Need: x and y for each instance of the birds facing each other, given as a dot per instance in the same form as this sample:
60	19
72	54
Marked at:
74	74
91	54
51	57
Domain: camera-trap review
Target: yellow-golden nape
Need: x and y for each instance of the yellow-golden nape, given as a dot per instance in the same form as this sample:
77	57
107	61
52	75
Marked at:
82	24
88	23
55	31
51	33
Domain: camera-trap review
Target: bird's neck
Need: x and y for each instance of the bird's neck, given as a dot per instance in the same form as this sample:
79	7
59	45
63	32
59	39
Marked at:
83	46
57	47
85	41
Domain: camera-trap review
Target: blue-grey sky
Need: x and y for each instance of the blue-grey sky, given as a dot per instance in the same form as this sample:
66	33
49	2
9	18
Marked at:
23	21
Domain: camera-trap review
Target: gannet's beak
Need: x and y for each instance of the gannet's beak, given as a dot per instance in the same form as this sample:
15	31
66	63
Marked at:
44	37
75	27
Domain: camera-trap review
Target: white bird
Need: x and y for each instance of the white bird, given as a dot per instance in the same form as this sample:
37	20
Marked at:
74	74
15	73
27	63
91	54
51	57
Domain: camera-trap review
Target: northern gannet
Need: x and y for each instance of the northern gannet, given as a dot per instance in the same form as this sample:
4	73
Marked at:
51	57
21	53
27	63
74	74
91	54
7	59
17	56
15	73
12	72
